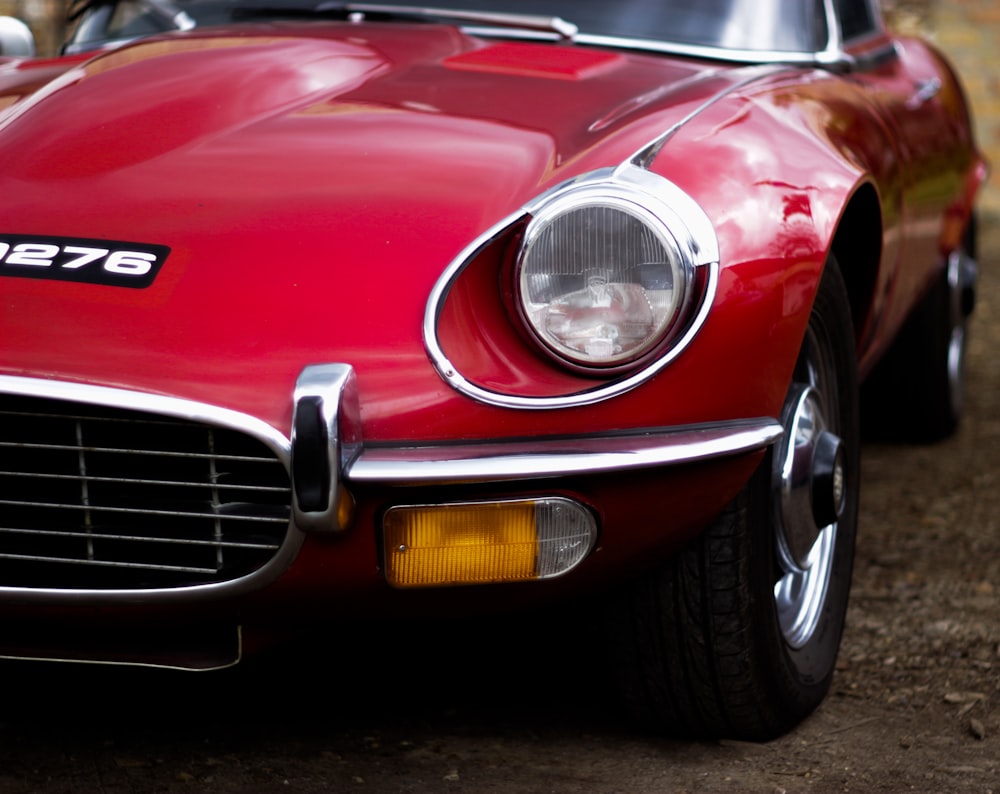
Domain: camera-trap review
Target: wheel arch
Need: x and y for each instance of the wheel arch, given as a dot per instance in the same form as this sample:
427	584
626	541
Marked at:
857	247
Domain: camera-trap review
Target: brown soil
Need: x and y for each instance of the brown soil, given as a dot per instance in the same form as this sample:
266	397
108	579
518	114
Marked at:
915	705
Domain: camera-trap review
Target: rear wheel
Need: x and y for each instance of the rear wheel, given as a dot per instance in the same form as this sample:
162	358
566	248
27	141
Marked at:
738	634
916	394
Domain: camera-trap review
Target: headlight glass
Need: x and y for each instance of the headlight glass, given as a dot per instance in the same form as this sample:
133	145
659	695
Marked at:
600	282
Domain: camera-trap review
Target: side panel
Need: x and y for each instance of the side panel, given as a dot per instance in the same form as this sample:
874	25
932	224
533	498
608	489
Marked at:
928	197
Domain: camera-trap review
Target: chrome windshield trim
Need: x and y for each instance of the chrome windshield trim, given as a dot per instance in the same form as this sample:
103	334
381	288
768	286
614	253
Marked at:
685	219
824	58
505	461
181	409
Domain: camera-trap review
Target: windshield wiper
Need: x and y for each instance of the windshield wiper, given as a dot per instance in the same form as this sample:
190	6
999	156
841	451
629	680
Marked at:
362	11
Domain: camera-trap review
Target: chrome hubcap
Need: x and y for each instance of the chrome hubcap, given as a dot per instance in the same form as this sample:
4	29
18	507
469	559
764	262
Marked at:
810	484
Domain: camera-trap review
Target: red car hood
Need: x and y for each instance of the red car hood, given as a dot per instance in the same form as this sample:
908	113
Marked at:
311	184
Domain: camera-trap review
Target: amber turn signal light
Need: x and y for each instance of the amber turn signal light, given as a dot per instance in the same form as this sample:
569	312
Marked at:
485	542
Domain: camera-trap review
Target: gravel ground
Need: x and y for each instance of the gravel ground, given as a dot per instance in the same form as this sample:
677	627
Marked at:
915	704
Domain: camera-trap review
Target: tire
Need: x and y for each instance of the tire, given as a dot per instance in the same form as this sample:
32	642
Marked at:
737	636
916	394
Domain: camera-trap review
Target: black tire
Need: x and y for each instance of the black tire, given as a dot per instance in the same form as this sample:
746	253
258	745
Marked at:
916	394
716	642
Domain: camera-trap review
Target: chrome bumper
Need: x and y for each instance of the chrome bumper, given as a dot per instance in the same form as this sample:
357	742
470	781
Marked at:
561	457
327	451
326	456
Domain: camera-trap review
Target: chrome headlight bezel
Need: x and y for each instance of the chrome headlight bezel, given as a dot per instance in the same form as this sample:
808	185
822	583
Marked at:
617	310
675	211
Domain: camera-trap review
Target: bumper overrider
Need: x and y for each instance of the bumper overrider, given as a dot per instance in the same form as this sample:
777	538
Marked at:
113	496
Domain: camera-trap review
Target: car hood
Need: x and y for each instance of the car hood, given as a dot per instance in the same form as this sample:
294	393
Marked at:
347	105
311	183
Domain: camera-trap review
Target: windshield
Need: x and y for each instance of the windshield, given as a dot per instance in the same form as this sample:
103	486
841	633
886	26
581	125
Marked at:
764	26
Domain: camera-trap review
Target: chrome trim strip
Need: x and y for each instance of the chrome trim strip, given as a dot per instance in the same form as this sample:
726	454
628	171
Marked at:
488	462
177	407
824	58
11	657
117	663
684	216
647	154
687	222
190	668
182	409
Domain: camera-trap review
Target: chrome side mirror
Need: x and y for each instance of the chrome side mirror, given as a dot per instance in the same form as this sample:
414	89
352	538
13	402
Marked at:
16	38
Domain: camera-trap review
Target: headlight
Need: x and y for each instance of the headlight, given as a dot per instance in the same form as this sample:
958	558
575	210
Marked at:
609	275
600	279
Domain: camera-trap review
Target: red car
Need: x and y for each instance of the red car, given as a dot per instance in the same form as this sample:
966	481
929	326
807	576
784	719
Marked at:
314	309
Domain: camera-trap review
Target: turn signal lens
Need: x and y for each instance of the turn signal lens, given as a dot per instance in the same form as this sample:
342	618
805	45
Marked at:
485	542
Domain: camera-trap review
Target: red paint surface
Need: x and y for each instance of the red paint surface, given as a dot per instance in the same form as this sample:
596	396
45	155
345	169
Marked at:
313	183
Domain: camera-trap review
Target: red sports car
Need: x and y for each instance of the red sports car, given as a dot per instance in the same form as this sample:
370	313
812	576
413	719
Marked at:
312	310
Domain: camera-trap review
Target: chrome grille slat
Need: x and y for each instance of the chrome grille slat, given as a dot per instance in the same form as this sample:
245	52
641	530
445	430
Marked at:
128	481
90	509
113	451
100	498
148	419
106	564
139	538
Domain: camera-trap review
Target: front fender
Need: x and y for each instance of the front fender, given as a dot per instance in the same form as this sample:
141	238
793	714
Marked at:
772	169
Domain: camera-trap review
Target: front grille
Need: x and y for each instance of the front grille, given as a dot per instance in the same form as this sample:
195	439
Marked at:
103	498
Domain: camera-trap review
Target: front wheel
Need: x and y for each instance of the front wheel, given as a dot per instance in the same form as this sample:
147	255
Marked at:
738	634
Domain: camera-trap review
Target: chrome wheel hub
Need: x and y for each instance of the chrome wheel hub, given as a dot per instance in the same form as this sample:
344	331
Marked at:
810	480
810	494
